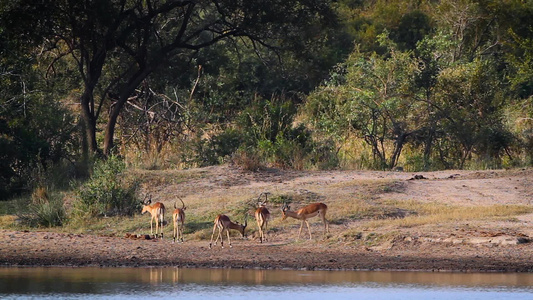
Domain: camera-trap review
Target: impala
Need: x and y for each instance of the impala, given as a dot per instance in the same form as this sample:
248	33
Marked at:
157	210
222	222
178	219
262	215
307	212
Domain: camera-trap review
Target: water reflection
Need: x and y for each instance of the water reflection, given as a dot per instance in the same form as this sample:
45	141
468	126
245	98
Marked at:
129	282
259	277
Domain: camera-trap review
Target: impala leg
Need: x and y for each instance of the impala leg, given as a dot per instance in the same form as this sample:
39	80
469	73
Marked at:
212	235
178	230
326	225
160	228
260	231
181	232
300	231
229	241
308	229
151	226
174	230
220	233
219	236
161	225
156	226
265	231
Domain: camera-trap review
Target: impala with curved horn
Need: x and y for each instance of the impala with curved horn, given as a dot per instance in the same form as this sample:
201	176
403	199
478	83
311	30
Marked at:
262	216
157	210
178	219
223	222
307	212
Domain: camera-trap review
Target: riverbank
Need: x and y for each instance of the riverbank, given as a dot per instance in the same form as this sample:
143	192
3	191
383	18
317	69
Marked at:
59	249
461	221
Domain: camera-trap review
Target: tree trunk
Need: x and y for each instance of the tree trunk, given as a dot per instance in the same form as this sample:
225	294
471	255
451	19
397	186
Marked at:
110	131
89	120
125	93
428	147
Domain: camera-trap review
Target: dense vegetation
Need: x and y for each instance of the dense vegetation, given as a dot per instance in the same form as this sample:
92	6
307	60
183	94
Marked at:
418	85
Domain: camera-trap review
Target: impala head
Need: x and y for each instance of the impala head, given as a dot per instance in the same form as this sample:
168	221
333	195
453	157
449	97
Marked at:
242	228
261	203
146	204
284	209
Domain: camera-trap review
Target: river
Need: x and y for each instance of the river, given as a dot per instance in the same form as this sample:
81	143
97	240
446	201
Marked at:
131	283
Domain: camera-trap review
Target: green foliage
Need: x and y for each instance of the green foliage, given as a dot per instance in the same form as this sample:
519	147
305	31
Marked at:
412	28
36	133
281	199
107	192
48	214
264	134
375	100
43	210
445	100
268	128
215	150
37	130
429	84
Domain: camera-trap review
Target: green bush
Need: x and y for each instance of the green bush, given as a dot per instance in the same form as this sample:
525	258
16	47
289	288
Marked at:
43	210
107	192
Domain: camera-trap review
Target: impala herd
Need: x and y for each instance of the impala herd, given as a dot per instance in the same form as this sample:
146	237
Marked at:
223	222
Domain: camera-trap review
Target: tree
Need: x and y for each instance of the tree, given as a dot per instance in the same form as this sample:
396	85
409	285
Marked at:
36	131
118	44
375	100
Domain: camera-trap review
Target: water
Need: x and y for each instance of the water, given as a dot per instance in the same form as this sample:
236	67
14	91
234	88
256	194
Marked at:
137	283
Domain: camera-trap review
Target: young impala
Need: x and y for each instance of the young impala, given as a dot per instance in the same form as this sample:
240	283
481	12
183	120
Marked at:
222	222
157	210
178	219
307	212
262	216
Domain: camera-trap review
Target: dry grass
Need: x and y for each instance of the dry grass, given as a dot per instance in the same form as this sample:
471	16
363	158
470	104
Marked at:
355	205
433	213
39	195
7	221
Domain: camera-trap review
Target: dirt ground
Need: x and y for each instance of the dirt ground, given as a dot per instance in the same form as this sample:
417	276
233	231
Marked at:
499	245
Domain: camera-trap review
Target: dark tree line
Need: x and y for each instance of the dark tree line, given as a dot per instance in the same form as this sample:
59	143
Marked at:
295	83
441	82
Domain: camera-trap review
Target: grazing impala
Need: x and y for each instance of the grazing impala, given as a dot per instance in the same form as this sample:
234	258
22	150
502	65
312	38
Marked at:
222	222
307	212
262	215
178	219
157	210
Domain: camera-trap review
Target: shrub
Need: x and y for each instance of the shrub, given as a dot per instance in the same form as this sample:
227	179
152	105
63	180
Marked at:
44	210
247	159
107	192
